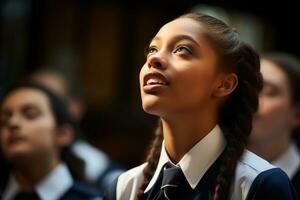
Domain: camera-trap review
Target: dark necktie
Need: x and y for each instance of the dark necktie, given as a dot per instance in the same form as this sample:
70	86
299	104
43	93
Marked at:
27	195
171	183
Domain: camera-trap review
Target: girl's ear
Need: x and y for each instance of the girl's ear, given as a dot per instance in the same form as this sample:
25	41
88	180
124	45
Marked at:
65	135
226	85
296	117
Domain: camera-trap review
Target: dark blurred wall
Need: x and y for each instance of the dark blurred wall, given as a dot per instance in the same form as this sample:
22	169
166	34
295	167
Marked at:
100	44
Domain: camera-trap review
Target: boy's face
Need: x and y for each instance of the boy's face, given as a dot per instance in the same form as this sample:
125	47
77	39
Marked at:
28	127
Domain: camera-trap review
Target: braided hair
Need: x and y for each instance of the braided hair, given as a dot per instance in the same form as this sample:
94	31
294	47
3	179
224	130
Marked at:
235	115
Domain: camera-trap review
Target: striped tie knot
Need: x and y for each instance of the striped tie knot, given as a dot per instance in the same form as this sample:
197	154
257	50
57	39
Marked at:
171	182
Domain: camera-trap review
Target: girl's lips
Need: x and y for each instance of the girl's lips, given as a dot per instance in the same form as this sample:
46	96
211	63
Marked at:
155	78
154	82
154	88
15	138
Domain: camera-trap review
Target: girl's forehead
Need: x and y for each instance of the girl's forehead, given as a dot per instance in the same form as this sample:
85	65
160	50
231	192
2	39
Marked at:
21	96
271	70
181	26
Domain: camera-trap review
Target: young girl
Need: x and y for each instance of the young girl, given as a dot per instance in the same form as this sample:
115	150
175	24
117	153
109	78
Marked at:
203	83
276	124
36	131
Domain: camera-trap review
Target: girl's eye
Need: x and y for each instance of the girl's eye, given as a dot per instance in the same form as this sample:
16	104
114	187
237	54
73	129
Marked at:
150	50
31	112
270	91
183	50
4	117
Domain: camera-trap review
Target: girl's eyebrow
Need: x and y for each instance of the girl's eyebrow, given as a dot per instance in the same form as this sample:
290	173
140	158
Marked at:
186	37
269	83
156	38
179	38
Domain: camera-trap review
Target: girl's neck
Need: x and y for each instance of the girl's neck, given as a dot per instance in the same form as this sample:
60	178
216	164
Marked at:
182	133
29	174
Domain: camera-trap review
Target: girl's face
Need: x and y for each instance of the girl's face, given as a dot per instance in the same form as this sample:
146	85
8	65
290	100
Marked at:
275	114
180	72
27	125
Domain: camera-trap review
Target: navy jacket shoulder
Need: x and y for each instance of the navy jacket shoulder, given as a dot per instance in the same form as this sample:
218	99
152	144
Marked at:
110	192
80	191
296	182
272	184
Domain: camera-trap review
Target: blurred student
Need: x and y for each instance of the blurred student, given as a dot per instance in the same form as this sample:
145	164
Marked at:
276	124
36	133
100	170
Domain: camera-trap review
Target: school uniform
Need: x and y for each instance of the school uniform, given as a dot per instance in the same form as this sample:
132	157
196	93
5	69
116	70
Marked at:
289	162
255	178
99	168
57	185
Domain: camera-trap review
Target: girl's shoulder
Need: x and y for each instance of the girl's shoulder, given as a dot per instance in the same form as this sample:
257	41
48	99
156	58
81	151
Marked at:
128	183
251	164
254	173
81	191
272	184
248	168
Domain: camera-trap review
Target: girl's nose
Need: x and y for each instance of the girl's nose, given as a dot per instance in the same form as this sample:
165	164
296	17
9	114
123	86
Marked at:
13	123
157	61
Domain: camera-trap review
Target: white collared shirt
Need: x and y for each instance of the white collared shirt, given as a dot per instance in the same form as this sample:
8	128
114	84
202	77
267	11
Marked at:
212	145
52	187
289	162
194	165
96	162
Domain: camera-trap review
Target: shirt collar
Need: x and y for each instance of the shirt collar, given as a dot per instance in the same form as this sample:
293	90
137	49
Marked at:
192	163
11	188
289	161
53	186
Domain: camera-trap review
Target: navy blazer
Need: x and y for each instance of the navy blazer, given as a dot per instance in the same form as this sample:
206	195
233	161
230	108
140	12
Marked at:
271	184
296	182
78	191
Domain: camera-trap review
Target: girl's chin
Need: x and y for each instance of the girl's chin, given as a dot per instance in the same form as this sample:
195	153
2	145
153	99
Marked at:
152	111
18	156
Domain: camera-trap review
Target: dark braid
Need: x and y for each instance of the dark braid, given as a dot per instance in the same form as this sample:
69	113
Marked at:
235	116
152	159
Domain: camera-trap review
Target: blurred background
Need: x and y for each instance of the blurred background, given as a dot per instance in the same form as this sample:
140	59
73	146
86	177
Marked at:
99	46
